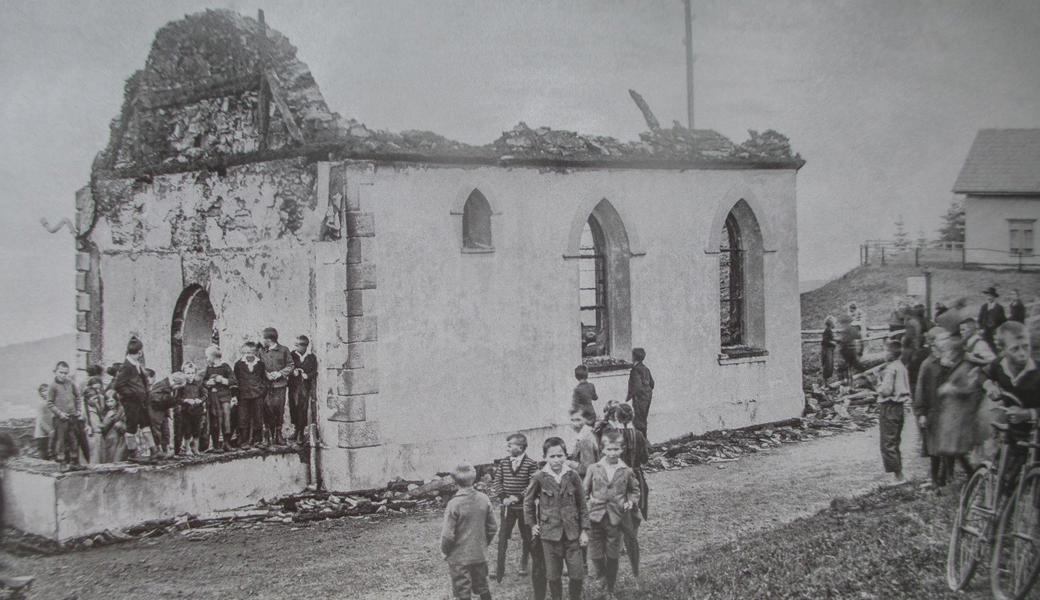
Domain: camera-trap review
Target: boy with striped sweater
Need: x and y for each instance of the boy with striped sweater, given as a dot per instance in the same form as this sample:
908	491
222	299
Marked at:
512	477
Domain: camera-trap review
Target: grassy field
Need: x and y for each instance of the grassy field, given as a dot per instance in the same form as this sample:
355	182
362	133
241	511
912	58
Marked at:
874	289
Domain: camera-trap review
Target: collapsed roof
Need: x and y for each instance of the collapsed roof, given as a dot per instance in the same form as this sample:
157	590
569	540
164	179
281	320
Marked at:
219	88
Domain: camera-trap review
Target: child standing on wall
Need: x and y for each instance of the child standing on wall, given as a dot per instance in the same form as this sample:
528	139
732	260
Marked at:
192	409
893	394
469	526
43	432
131	386
613	492
512	476
584	394
252	381
63	400
219	388
555	504
278	366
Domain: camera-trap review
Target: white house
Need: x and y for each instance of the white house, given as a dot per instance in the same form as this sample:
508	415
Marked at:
1001	183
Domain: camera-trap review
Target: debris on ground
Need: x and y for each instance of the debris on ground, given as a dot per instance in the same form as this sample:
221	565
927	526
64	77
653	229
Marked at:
833	412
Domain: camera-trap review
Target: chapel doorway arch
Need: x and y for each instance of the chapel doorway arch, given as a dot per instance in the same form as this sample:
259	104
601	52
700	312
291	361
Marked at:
194	328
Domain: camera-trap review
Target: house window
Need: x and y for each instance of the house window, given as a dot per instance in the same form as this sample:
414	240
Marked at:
1021	235
592	289
476	223
741	284
731	285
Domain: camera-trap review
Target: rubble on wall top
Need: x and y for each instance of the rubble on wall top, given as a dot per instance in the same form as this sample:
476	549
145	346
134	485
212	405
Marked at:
198	103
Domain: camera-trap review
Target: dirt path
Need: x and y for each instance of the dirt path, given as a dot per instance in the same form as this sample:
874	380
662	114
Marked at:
397	558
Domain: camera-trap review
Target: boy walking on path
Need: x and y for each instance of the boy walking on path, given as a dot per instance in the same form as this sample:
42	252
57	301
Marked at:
278	364
613	496
893	393
555	503
640	389
469	526
63	400
584	394
511	480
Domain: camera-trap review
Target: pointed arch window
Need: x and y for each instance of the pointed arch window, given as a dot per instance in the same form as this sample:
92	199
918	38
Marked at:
476	223
592	289
741	284
604	298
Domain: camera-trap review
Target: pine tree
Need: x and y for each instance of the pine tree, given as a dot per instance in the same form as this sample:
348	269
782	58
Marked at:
902	238
952	229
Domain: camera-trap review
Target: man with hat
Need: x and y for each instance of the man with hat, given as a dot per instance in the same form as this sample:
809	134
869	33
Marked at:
991	314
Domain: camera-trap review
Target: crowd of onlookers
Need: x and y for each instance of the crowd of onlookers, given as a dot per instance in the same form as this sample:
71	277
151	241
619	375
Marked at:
127	412
957	373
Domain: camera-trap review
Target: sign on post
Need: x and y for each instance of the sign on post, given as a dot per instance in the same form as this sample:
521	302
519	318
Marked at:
916	286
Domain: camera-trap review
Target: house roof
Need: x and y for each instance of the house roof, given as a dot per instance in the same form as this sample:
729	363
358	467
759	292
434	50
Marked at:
1002	161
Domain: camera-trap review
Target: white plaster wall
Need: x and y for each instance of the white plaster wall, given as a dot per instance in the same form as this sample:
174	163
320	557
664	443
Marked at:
29	502
486	343
986	226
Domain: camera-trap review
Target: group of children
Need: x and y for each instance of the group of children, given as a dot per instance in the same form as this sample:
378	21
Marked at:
581	504
125	413
954	377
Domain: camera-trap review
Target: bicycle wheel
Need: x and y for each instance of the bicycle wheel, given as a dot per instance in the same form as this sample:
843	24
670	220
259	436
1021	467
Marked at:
1016	546
972	530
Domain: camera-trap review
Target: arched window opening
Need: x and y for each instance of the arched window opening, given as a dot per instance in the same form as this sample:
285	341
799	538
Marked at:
592	288
476	222
741	283
194	328
731	285
604	297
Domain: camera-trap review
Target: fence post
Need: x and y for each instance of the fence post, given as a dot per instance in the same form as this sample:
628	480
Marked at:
866	254
882	256
917	256
964	260
1020	253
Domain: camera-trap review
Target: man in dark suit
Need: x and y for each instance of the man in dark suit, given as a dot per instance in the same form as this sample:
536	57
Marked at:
640	389
991	315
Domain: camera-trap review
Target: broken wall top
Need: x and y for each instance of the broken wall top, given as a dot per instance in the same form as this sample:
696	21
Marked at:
220	89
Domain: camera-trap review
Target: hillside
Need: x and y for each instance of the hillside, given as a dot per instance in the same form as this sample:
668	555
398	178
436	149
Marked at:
874	289
26	365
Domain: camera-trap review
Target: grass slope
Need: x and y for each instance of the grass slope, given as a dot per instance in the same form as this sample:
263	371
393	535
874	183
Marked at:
890	544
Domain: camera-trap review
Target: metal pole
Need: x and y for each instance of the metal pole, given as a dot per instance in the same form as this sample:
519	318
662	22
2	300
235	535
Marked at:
689	63
882	255
928	294
917	256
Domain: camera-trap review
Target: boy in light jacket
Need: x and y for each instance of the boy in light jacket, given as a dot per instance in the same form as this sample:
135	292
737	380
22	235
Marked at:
613	491
469	526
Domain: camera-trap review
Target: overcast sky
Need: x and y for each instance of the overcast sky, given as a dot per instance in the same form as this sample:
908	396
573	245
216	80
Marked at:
881	97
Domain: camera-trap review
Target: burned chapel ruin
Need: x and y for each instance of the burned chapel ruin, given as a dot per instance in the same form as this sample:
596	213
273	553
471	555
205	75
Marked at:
449	290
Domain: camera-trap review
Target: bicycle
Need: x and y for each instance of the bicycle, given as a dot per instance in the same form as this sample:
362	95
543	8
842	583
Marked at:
1015	562
981	502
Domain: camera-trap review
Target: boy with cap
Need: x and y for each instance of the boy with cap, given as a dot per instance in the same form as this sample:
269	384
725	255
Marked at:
893	393
991	315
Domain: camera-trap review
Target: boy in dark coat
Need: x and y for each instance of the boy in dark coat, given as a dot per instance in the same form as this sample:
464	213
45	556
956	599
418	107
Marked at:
131	385
278	365
640	390
1015	373
164	395
555	504
584	394
219	380
469	526
252	381
301	386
